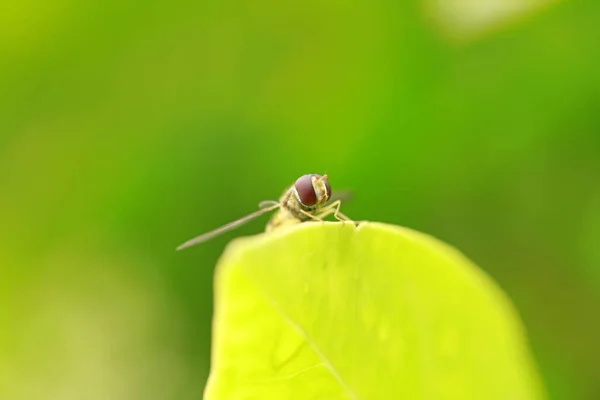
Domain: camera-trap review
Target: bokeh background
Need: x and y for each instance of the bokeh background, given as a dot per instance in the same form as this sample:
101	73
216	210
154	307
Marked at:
127	127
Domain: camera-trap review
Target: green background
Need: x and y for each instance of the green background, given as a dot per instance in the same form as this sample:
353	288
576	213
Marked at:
126	128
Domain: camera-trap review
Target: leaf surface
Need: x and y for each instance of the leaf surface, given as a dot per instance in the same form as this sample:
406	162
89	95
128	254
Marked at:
331	311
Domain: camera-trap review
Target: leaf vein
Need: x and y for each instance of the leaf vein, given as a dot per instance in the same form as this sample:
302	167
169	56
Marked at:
313	345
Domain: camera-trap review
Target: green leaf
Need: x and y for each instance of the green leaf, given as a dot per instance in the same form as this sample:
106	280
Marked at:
330	311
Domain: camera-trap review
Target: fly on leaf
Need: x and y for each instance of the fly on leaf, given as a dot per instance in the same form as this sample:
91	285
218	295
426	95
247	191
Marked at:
309	198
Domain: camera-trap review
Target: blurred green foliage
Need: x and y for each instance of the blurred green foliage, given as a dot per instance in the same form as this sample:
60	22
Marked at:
127	127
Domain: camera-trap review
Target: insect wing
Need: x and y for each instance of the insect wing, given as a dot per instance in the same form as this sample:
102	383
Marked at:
342	195
227	227
267	203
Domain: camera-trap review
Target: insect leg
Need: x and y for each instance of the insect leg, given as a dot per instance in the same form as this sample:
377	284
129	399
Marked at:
334	208
314	217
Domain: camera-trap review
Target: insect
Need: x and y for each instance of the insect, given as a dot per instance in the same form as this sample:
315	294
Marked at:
307	199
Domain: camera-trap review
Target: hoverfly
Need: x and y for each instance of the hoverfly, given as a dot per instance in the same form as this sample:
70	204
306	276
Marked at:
307	199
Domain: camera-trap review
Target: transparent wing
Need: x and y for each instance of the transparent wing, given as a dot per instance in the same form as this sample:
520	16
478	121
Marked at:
227	227
267	203
343	195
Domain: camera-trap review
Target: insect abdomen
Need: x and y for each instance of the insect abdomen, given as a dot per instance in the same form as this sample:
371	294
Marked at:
281	218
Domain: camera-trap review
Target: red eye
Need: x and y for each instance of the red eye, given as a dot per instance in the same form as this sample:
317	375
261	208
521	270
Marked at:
306	191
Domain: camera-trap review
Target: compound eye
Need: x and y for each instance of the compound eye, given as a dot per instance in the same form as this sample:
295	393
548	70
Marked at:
306	191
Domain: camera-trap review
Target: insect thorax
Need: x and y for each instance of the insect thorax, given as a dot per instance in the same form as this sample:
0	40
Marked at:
289	213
